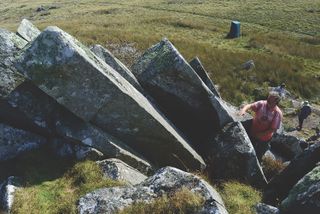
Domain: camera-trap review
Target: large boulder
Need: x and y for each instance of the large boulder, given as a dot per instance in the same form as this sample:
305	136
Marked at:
79	80
280	184
304	196
262	208
120	171
28	31
201	71
15	141
286	145
180	93
166	181
232	156
118	66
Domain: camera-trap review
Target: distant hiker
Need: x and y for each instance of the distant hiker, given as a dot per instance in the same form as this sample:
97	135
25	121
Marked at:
281	89
304	112
266	121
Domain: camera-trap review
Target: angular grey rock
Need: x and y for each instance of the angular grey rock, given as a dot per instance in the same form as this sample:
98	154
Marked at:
280	185
199	69
165	181
27	30
262	208
232	156
7	190
79	80
16	141
287	145
118	170
72	127
111	60
10	44
66	149
304	196
180	93
25	106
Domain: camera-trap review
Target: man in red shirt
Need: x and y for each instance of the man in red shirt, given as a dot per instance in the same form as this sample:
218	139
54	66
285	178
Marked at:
266	121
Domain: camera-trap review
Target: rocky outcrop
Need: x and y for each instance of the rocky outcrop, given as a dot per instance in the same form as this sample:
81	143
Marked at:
180	93
304	196
280	185
116	64
27	30
16	141
166	180
232	156
80	81
262	208
286	145
201	71
118	170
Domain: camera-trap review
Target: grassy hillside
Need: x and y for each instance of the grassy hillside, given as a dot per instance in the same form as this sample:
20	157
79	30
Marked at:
282	37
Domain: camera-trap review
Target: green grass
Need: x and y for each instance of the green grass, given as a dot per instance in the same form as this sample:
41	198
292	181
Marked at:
239	198
52	184
182	201
284	46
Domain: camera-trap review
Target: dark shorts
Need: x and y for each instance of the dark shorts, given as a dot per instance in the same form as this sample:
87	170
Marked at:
260	147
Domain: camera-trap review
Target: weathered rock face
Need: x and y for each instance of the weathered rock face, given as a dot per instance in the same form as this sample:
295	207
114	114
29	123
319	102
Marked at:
110	200
304	196
118	170
10	42
232	156
88	87
108	58
180	93
27	30
199	69
286	145
7	189
280	185
262	208
15	141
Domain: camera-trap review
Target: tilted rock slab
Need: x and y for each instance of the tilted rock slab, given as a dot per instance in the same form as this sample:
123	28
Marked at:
29	108
25	106
27	30
16	141
120	171
166	180
286	145
304	197
262	208
280	184
116	64
83	83
76	129
201	71
232	156
180	93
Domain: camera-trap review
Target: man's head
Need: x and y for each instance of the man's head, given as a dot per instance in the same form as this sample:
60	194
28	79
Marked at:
273	99
283	85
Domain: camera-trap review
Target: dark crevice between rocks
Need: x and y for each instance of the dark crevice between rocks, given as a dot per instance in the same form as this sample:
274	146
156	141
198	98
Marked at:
198	126
17	119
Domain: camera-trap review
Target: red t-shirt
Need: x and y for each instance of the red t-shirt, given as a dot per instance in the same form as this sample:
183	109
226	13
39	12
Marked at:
264	119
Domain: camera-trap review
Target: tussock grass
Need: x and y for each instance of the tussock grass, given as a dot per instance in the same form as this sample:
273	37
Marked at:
182	201
239	198
271	167
284	47
53	185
